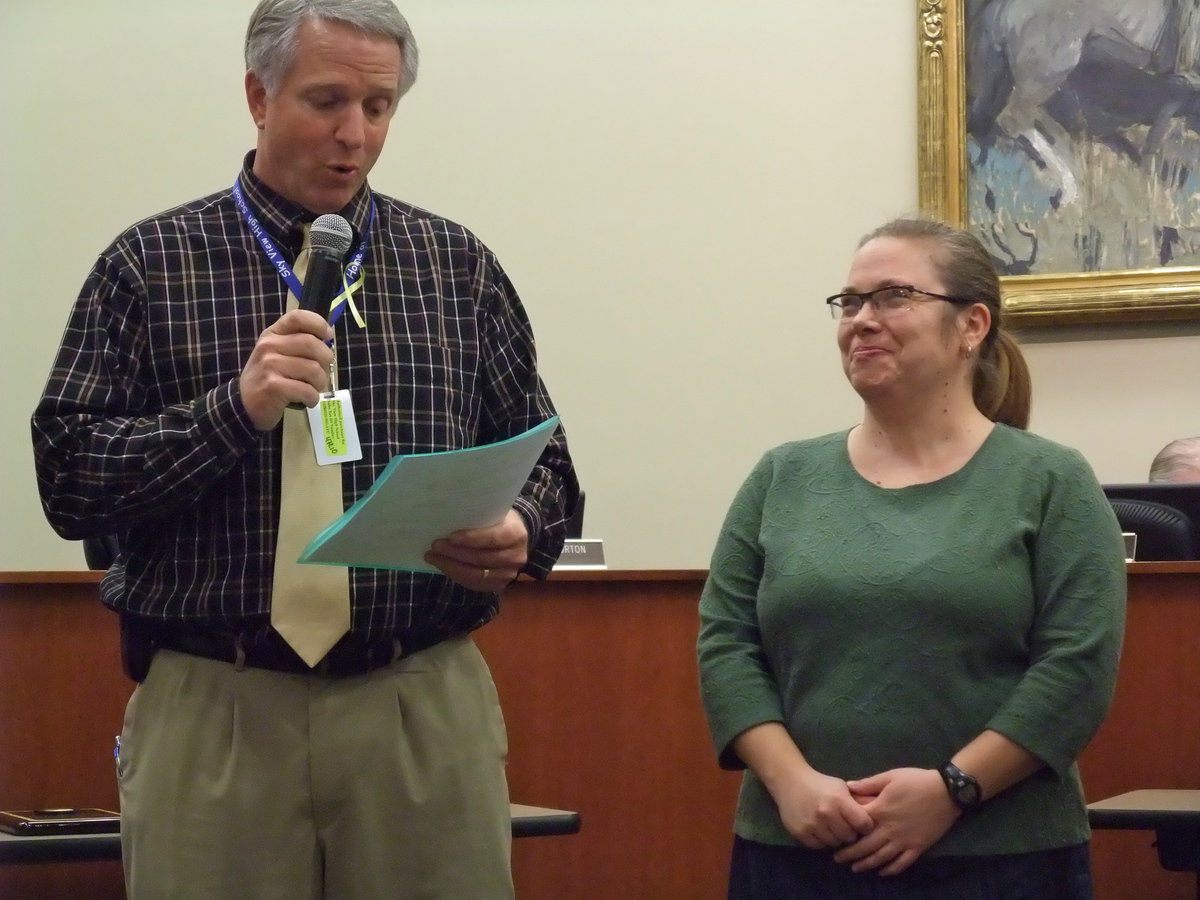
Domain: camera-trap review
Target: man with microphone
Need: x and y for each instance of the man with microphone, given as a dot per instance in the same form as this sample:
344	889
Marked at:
300	731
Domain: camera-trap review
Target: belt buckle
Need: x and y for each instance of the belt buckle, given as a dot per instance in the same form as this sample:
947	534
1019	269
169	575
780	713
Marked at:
374	656
347	666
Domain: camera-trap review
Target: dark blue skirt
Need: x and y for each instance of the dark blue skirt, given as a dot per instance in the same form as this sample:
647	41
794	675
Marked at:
767	872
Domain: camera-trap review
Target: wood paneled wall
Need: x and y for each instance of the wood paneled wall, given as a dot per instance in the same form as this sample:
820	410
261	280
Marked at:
597	676
1151	738
62	698
599	686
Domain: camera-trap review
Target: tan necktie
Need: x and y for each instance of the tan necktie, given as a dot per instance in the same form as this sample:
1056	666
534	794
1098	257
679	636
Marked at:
310	605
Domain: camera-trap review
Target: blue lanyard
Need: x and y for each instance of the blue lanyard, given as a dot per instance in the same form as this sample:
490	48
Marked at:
351	278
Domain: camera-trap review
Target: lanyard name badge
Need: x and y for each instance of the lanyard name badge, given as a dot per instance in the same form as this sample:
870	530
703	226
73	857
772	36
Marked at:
331	422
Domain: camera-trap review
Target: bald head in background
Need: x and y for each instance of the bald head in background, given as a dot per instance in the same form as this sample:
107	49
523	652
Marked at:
1179	461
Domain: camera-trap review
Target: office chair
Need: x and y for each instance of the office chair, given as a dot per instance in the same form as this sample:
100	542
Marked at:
1163	532
575	522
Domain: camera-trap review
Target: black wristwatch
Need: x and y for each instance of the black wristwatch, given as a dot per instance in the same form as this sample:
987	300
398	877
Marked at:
964	790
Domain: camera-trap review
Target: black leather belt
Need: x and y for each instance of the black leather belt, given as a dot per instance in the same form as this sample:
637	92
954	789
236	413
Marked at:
266	649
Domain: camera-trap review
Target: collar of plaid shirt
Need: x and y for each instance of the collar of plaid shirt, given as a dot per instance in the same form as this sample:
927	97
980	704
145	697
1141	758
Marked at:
285	220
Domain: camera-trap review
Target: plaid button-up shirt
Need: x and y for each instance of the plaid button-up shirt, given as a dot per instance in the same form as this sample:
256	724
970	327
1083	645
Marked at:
141	431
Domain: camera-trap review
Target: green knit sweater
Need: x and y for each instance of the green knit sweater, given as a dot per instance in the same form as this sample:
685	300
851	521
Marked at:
888	628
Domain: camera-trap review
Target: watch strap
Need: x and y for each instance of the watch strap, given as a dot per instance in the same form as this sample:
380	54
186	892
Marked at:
964	790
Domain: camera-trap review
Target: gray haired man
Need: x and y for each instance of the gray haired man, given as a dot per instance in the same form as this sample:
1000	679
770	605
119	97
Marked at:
251	766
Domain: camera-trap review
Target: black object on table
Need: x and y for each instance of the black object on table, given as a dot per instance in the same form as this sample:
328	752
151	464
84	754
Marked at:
1173	815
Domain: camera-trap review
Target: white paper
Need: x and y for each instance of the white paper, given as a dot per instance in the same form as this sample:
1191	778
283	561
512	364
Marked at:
421	497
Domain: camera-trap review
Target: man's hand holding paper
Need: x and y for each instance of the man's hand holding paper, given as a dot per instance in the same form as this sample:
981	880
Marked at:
483	559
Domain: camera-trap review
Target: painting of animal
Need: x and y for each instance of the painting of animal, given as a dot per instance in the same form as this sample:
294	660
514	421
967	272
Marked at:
1083	133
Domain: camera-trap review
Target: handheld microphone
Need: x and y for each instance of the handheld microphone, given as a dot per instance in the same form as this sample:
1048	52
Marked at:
330	238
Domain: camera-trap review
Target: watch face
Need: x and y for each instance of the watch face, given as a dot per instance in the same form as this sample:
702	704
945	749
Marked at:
964	789
967	791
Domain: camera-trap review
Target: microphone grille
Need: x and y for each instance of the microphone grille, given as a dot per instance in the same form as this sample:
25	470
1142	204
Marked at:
331	232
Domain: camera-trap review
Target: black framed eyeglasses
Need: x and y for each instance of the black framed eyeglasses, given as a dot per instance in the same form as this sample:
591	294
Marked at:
885	300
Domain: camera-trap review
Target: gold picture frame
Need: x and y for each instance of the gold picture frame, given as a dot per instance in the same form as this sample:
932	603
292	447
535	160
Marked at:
1136	295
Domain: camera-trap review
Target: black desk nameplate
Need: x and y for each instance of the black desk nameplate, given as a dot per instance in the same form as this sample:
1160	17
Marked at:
581	553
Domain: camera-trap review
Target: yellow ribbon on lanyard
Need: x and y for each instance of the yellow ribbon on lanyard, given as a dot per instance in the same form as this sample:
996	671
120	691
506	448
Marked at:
347	297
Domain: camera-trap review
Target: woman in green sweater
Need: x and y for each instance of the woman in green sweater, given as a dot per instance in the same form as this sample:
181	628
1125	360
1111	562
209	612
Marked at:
911	628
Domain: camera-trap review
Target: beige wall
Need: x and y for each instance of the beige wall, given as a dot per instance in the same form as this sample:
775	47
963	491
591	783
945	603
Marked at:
673	185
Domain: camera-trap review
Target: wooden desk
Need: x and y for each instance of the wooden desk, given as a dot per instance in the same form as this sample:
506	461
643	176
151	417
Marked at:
540	821
527	821
1173	815
597	679
16	848
1150	808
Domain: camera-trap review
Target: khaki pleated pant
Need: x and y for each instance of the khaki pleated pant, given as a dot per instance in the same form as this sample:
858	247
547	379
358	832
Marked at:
258	785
